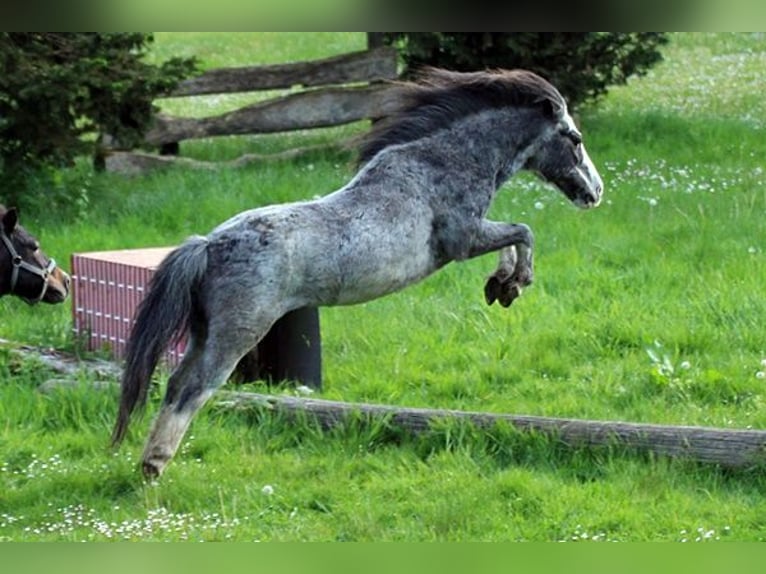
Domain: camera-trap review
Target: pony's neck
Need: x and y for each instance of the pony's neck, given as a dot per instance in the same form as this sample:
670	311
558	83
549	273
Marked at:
462	165
488	146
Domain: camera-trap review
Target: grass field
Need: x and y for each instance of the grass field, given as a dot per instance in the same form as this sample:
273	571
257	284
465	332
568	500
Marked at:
649	309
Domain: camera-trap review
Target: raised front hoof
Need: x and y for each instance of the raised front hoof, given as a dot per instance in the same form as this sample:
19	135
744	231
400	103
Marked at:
504	292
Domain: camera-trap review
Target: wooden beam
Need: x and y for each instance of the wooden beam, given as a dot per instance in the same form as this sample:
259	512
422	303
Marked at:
311	109
732	448
139	162
364	66
726	447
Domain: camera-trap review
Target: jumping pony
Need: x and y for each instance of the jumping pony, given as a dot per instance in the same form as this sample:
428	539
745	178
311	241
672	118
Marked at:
25	271
428	174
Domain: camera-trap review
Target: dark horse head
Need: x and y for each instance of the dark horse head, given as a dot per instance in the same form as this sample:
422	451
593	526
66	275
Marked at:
25	271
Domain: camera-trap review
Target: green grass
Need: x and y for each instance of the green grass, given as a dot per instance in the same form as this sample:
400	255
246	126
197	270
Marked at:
648	309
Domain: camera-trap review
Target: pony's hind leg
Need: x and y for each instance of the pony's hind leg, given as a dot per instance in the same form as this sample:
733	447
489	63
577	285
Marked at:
514	272
203	370
175	414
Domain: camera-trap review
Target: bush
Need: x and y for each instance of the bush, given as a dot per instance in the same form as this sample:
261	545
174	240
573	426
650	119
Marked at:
58	90
582	65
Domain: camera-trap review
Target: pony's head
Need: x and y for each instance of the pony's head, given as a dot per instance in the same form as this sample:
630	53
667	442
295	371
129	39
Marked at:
25	271
439	98
559	157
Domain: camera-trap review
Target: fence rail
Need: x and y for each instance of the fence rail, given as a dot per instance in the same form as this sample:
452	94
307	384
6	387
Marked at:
364	66
323	107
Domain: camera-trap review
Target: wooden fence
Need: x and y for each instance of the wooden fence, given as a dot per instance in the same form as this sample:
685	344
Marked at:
336	90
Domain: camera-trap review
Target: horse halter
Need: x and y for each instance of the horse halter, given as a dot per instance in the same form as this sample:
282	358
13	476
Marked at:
19	263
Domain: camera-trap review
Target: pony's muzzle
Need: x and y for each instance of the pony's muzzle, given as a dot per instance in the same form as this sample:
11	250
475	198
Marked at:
595	199
591	187
58	286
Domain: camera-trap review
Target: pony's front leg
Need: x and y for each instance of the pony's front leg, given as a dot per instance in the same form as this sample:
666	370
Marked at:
513	273
515	269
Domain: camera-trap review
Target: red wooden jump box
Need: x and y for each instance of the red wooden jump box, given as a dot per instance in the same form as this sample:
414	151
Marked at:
107	288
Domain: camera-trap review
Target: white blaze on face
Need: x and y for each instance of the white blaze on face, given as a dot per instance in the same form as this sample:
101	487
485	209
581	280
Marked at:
586	170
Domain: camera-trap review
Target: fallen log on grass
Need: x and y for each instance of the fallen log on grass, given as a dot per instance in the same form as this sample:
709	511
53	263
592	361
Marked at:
67	365
731	448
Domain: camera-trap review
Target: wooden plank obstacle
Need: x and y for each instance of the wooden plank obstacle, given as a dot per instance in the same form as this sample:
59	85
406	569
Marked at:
730	448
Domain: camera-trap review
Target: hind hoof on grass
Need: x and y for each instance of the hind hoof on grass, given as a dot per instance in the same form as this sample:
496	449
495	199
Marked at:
150	470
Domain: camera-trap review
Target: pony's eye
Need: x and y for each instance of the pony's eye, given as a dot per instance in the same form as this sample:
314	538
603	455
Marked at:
576	140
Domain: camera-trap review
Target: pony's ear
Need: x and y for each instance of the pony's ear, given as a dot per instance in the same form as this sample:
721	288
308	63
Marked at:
10	220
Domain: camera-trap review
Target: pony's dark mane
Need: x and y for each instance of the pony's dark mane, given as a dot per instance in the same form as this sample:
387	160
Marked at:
440	97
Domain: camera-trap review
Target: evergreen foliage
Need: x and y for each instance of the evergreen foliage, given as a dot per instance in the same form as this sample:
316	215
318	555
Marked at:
58	90
582	65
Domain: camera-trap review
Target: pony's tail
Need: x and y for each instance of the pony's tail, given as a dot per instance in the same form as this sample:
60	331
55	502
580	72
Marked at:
162	315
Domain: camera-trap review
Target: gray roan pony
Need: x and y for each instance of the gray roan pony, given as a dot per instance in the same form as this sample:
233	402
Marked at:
427	176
